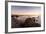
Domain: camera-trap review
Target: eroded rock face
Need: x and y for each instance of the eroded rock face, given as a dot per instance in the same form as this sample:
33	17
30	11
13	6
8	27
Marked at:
30	22
19	22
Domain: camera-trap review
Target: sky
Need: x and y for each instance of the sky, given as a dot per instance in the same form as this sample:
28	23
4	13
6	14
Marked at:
25	10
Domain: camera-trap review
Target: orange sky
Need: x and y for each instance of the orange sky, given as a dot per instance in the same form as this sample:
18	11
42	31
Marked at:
27	13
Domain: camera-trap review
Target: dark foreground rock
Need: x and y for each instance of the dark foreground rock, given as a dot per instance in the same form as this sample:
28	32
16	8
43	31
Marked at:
29	22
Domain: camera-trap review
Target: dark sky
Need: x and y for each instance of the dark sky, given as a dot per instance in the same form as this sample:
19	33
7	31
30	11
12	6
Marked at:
32	10
21	8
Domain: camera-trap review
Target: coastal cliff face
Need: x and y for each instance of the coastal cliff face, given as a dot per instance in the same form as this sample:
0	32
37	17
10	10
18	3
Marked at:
24	21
